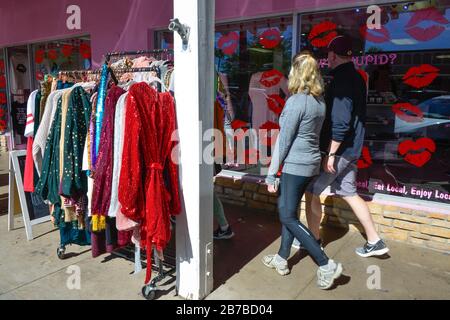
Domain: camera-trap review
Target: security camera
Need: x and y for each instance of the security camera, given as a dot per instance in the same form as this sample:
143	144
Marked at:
181	29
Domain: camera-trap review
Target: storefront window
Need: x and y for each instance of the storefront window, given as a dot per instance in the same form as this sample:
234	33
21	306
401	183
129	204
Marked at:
253	61
67	54
407	64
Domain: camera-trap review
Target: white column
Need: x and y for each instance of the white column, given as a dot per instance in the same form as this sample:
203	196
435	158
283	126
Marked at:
194	86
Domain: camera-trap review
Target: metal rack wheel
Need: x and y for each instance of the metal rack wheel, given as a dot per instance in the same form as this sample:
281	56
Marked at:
149	292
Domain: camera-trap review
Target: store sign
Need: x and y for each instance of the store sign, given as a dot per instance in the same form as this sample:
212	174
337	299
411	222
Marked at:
34	210
403	190
369	59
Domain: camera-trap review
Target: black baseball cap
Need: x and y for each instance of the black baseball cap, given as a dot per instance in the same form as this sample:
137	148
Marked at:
341	45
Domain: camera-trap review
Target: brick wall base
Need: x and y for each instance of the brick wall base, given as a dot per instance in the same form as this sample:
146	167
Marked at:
420	228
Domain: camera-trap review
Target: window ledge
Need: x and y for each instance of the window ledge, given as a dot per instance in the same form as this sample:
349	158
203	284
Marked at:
378	198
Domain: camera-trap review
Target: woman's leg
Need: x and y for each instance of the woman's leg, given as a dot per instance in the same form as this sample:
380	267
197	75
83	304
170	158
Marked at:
292	188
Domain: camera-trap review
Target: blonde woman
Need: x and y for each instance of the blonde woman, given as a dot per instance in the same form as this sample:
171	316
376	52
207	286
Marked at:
297	148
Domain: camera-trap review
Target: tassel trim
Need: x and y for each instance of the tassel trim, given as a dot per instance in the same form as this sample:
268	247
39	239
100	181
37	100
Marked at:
98	222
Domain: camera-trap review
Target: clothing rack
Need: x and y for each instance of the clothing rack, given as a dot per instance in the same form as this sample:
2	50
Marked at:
166	268
156	52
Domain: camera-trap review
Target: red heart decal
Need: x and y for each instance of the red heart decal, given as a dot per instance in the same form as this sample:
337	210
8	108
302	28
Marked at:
417	153
228	43
366	160
275	103
67	50
2	81
52	54
85	50
39	56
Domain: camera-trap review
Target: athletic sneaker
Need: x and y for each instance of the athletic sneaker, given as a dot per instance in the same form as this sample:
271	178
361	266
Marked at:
222	235
377	249
328	273
274	261
297	245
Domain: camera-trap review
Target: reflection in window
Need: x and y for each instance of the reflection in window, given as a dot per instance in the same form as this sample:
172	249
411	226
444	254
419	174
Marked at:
408	117
253	61
66	54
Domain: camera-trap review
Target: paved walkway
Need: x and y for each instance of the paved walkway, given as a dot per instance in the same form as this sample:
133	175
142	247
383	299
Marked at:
31	269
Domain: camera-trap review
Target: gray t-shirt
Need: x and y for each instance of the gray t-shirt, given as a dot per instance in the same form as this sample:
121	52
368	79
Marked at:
297	145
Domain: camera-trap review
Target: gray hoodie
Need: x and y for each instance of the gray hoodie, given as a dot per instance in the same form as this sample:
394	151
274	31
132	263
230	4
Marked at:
297	146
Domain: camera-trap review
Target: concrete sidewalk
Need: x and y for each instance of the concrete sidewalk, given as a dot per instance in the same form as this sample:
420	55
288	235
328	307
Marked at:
32	270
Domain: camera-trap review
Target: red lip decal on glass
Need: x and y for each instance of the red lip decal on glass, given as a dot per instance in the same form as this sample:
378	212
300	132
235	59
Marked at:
429	33
408	112
2	98
275	103
421	76
39	56
251	156
270	38
228	43
417	153
67	50
85	50
266	135
322	33
2	66
366	159
2	81
375	35
271	78
52	54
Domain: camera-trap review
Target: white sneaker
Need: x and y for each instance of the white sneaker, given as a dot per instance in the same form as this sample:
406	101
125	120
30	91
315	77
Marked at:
328	273
274	261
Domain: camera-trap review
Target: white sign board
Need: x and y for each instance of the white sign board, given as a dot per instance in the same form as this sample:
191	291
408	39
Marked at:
34	210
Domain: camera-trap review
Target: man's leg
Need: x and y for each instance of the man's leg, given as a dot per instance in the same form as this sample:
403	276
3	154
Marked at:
361	210
313	213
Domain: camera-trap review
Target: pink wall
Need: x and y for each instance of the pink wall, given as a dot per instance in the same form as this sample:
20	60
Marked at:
112	24
121	24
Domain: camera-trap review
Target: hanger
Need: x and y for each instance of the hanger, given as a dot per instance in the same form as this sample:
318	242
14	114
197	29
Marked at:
156	79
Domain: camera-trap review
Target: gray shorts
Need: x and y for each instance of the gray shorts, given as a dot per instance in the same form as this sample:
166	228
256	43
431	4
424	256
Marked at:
342	183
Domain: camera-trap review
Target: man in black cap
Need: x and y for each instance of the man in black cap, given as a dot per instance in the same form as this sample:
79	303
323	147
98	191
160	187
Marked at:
342	140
